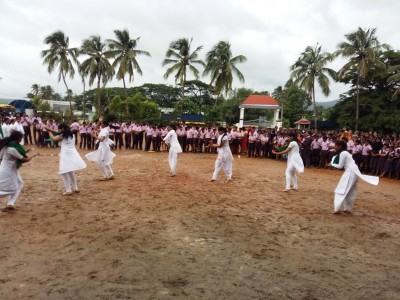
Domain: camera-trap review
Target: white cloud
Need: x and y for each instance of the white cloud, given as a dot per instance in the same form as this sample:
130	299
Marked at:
271	34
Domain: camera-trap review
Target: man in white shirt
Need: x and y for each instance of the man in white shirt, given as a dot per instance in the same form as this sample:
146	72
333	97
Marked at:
17	126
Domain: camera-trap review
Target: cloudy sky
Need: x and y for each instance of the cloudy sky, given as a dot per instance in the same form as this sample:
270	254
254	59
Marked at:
271	34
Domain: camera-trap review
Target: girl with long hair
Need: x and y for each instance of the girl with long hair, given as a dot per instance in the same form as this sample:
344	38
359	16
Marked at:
103	155
70	160
224	157
294	162
12	156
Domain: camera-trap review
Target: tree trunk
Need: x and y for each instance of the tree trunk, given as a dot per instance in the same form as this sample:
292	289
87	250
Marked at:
68	95
183	95
315	108
98	97
84	98
357	100
126	97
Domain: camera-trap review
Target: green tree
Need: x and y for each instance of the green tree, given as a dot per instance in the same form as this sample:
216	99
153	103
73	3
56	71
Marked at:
360	48
97	66
124	52
221	66
46	92
309	69
293	101
35	89
394	73
179	55
163	95
60	56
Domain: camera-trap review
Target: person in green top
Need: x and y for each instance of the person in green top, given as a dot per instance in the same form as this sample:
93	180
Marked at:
12	156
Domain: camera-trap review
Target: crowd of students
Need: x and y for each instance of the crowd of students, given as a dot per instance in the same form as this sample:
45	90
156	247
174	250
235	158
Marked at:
373	153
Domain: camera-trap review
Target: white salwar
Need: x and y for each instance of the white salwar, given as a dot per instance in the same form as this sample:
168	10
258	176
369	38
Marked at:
346	190
10	180
70	161
103	155
174	148
224	158
294	165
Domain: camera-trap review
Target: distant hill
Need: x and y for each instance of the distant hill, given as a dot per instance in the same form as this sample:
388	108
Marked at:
325	105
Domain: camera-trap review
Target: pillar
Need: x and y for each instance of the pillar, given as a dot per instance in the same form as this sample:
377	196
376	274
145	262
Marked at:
241	117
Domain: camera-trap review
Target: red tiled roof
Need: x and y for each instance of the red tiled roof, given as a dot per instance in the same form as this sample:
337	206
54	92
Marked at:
260	100
303	122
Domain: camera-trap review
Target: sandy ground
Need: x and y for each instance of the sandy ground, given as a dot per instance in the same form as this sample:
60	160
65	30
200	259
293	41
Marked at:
146	235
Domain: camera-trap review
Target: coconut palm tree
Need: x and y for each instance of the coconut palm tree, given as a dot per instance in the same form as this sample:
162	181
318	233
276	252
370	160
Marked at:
310	69
361	49
123	51
221	66
35	88
395	78
97	66
60	56
180	56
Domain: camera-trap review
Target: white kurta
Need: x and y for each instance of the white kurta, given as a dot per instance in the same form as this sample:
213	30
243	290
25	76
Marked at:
294	165
10	180
346	190
6	130
174	148
224	158
70	160
103	155
18	127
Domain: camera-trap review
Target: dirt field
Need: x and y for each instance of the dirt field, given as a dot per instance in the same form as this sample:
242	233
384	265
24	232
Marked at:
146	235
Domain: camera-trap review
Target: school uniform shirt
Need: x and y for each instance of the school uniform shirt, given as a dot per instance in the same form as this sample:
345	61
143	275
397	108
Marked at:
6	130
315	145
325	145
75	126
357	149
189	134
39	119
366	149
149	131
25	121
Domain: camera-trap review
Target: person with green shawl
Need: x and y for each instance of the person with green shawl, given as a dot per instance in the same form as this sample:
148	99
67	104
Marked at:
12	156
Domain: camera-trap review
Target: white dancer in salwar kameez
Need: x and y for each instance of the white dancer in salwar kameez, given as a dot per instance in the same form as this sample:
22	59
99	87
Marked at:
12	155
70	160
224	157
346	190
174	148
103	155
294	162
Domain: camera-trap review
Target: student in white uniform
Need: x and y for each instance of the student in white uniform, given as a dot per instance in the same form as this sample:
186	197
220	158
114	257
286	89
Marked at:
17	126
6	127
346	190
103	155
294	162
171	139
12	156
224	157
70	160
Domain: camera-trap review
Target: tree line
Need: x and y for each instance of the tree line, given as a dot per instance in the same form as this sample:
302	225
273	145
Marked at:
372	69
